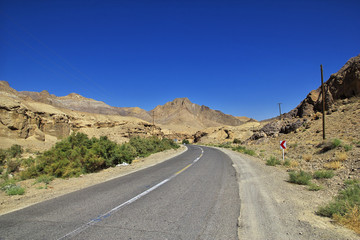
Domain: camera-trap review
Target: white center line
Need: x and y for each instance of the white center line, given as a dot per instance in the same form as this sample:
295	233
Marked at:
117	208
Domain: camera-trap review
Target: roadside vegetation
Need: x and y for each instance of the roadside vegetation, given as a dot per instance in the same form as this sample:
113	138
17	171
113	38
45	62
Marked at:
71	157
345	207
235	147
304	178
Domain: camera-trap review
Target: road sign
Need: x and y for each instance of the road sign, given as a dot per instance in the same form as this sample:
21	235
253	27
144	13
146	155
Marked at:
282	144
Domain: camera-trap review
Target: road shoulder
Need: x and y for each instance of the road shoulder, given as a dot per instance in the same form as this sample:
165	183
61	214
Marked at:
272	208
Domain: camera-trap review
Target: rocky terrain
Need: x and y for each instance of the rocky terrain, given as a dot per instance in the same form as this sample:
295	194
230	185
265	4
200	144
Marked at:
37	120
302	129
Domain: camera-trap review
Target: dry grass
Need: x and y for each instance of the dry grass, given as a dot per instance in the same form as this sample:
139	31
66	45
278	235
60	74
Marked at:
332	165
341	156
307	157
350	220
294	164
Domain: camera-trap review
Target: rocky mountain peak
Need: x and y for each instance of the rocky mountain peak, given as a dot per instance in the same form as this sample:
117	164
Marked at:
5	87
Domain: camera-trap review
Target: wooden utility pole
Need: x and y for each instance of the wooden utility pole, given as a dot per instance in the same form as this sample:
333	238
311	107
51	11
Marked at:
280	109
323	100
153	122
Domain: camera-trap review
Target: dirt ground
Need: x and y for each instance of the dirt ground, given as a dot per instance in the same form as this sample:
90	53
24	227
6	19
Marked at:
272	208
38	192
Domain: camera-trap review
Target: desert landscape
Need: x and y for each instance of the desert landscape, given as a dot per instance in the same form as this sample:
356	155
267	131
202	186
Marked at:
36	121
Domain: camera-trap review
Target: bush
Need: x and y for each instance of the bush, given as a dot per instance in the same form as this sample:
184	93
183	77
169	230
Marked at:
15	190
249	152
12	165
343	202
3	156
78	154
348	147
185	141
323	174
44	179
15	151
225	145
237	141
287	163
10	188
301	178
314	187
273	161
336	143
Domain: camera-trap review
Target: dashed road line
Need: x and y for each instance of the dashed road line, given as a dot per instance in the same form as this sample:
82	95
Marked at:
117	208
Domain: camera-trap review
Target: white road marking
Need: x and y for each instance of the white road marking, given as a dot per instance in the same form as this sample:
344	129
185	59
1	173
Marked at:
117	208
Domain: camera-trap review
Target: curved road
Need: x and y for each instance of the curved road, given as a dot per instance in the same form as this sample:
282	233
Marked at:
192	196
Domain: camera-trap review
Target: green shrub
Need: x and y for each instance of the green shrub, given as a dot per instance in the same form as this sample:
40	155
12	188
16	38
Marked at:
301	178
239	148
323	174
12	165
314	187
351	182
345	200
287	163
244	150
44	179
78	154
225	145
185	141
273	161
336	143
348	147
15	151
15	190
3	156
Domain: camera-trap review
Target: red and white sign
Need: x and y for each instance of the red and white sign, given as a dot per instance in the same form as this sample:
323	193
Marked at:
283	144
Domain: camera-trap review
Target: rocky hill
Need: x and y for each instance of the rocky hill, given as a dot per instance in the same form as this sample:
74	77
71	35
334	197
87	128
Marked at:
43	117
344	84
302	129
341	85
77	102
182	111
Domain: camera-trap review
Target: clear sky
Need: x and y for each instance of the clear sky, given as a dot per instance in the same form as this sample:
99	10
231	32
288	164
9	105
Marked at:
240	57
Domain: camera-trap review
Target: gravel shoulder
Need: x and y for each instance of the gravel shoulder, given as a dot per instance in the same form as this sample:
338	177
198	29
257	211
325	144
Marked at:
272	208
36	193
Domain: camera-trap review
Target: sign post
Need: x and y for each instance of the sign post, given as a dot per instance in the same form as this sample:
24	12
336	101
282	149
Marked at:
283	147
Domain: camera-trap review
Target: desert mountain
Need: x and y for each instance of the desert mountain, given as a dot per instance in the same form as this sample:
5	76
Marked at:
182	111
77	102
176	114
43	117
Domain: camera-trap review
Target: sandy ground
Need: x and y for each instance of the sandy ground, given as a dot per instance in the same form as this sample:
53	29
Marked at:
36	192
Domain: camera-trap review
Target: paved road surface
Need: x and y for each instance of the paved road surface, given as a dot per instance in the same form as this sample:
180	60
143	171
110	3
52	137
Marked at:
192	196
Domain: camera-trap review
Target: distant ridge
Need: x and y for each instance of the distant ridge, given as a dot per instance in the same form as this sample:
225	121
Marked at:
180	111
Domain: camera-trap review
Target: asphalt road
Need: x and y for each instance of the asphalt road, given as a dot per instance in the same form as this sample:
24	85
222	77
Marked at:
192	196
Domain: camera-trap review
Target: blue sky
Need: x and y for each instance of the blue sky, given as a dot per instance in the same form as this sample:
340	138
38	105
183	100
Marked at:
240	57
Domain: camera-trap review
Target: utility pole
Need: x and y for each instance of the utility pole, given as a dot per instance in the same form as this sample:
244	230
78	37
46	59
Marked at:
153	122
280	109
323	100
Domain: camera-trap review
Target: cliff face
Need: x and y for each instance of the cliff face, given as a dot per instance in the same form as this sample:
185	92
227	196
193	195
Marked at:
32	122
343	84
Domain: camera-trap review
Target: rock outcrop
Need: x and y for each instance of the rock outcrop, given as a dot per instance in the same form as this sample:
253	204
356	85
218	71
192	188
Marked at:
343	84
